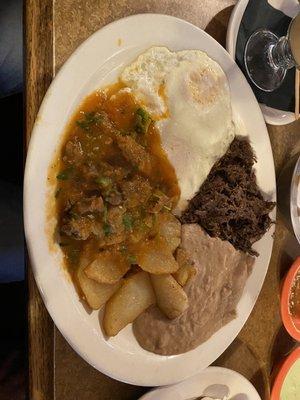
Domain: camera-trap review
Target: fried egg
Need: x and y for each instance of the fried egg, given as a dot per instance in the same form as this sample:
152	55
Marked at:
188	96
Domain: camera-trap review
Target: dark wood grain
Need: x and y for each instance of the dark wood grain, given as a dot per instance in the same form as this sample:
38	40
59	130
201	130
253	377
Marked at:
38	18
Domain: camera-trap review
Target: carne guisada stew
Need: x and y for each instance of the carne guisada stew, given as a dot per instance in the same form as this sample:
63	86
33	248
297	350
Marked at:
115	185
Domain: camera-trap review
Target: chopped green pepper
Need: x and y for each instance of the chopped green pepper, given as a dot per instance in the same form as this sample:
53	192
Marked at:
142	120
107	229
89	119
105	213
65	174
103	181
128	221
132	259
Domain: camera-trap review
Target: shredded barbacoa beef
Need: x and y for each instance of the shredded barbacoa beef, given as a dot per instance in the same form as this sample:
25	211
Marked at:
229	204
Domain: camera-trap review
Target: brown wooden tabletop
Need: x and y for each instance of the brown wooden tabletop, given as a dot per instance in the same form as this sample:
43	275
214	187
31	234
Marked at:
53	30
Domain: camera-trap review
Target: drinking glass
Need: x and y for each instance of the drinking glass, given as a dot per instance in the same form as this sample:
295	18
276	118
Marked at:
268	57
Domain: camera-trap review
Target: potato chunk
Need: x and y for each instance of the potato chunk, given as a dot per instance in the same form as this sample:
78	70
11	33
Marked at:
134	296
96	294
171	298
155	256
108	267
170	228
186	270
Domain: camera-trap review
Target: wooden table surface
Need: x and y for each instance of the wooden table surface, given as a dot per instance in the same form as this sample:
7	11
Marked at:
53	30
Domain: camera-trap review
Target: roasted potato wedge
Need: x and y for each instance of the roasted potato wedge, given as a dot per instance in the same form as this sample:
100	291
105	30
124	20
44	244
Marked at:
96	294
185	274
171	298
170	228
134	296
108	267
186	270
155	256
87	255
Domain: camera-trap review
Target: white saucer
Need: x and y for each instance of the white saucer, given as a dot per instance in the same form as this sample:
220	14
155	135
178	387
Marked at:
216	382
290	8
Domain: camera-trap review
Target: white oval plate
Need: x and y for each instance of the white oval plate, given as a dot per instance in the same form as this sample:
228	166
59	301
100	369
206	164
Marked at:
213	382
97	62
291	8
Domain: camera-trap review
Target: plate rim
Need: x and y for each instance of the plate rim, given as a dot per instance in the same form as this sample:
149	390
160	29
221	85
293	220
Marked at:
211	369
30	153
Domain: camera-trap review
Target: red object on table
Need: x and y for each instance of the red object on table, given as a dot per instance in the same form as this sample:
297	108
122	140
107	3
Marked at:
291	323
284	369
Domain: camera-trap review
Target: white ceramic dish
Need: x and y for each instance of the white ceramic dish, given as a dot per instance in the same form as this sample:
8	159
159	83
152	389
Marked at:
295	200
290	8
213	381
96	62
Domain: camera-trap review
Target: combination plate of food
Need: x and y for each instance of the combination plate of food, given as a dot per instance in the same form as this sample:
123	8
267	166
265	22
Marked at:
149	200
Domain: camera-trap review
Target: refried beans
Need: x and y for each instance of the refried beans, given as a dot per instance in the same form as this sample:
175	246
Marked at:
213	295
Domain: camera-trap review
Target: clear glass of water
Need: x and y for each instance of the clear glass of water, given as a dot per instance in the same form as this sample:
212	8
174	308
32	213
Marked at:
268	57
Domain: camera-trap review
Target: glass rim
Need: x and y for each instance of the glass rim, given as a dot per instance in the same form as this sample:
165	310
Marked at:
288	38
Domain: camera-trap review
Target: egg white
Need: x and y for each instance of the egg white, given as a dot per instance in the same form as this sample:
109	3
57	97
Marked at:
187	93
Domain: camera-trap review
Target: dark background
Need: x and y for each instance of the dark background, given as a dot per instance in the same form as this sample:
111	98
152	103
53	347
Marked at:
13	337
